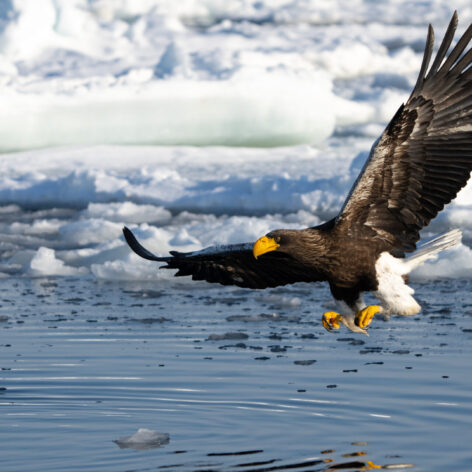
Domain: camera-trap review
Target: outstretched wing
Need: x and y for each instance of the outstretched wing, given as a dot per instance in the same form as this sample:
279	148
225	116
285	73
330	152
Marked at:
232	264
424	156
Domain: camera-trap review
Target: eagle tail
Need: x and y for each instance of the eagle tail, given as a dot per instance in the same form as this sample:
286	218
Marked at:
430	248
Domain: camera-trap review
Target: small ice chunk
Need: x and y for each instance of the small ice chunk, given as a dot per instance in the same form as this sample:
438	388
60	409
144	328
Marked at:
175	61
45	263
127	212
92	231
143	439
183	238
279	301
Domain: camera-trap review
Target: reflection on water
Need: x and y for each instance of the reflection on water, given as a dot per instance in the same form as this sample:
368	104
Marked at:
82	364
319	463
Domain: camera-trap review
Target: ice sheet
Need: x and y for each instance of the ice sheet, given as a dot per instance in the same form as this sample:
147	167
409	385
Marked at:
322	78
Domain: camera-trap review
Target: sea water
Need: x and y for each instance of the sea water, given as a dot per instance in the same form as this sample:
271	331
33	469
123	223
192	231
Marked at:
235	379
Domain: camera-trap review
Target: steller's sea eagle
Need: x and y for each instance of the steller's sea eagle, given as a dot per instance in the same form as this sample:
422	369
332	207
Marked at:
419	163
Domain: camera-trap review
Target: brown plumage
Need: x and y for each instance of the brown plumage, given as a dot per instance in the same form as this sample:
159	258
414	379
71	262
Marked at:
418	165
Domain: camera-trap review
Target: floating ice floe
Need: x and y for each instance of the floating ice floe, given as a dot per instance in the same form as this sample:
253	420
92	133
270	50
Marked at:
143	439
264	111
207	72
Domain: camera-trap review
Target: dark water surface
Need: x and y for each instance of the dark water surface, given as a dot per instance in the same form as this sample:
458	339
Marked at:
240	380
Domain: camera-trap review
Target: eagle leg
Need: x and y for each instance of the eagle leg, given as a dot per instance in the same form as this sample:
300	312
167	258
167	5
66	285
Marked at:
364	317
356	323
331	320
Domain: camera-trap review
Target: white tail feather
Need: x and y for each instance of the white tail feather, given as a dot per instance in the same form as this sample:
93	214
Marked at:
429	249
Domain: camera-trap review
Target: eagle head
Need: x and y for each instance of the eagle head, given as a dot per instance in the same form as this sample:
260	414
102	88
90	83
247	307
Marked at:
279	240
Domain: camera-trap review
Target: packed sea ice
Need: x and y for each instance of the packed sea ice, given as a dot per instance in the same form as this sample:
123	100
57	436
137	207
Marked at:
195	123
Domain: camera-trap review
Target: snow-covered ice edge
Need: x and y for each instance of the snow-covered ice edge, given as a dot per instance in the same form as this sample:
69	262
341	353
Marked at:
177	198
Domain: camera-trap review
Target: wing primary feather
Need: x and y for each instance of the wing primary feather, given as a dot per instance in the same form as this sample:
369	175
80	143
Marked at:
458	50
462	64
140	250
428	51
445	44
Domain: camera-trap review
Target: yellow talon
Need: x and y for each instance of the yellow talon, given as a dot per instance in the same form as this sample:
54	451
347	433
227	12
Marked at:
370	464
331	320
364	317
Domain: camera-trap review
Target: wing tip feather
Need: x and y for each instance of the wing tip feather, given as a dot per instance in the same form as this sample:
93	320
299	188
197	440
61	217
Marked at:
428	51
138	249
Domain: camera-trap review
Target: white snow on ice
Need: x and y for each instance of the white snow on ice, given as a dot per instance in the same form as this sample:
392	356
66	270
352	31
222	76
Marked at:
44	262
195	123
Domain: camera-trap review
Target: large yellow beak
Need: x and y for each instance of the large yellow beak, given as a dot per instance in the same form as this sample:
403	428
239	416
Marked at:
263	245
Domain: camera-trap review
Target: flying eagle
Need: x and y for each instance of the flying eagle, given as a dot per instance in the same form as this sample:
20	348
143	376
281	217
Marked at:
418	165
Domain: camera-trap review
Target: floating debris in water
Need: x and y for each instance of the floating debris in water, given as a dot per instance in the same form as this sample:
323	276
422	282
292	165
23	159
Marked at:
227	336
151	320
143	439
352	341
370	350
354	454
263	317
236	453
237	346
277	348
308	336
